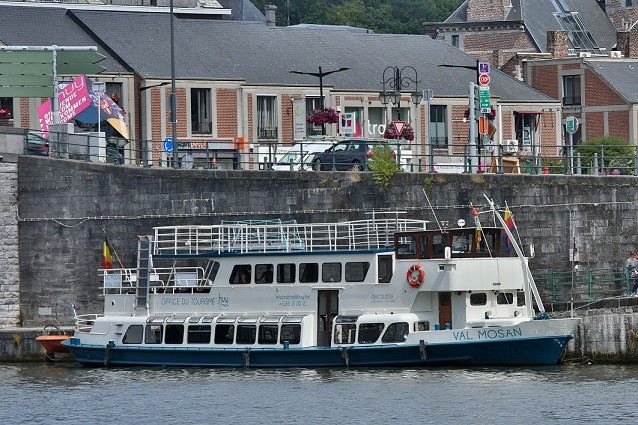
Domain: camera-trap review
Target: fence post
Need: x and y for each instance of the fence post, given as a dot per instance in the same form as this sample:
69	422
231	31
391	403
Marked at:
595	164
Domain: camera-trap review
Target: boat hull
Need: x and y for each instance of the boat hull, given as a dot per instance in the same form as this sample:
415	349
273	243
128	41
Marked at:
53	343
526	351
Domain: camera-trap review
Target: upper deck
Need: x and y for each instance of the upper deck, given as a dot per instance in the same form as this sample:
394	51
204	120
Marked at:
277	236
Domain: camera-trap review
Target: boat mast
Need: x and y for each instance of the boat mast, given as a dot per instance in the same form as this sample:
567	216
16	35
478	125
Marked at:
528	279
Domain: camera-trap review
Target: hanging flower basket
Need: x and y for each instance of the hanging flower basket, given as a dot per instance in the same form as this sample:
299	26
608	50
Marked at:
391	132
323	116
490	116
5	113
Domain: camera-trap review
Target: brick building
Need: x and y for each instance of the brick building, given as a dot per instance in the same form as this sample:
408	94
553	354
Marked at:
234	86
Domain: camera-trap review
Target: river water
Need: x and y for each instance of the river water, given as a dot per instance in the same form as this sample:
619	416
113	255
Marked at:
72	394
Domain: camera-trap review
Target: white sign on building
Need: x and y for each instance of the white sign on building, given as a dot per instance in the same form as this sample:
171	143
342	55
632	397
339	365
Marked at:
299	119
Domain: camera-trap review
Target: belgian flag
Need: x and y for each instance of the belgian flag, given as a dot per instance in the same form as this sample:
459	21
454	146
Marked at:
107	258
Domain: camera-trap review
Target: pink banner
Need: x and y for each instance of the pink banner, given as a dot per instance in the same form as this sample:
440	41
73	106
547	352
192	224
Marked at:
74	98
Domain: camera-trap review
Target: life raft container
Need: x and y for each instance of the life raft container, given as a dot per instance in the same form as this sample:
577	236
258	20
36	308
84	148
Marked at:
415	275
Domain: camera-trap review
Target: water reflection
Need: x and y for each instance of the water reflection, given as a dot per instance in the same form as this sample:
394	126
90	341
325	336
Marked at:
66	392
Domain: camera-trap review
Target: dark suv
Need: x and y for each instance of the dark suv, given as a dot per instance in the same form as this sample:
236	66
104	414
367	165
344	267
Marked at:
347	155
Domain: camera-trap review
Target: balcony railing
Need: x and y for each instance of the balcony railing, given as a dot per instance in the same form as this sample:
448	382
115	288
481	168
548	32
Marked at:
267	133
201	127
571	101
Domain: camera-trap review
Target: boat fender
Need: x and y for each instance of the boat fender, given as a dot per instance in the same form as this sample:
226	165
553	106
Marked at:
107	353
344	355
247	357
423	350
415	275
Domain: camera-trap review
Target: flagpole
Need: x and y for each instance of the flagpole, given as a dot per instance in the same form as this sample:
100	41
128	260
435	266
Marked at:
114	251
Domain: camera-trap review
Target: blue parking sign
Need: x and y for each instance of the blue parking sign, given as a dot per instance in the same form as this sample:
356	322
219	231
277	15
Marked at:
484	67
168	145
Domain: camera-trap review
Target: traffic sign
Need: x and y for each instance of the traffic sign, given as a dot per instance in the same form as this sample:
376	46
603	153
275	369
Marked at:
399	125
571	124
168	145
484	79
484	67
484	100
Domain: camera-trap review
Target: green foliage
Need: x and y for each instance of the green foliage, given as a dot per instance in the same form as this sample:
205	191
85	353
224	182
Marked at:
384	165
618	154
381	16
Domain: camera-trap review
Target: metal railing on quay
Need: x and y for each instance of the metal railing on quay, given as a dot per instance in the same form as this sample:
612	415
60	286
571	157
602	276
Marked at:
444	155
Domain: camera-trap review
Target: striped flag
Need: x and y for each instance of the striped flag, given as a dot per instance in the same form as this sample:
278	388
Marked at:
509	222
107	259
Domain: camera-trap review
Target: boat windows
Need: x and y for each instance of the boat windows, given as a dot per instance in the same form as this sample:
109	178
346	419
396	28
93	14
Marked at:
489	243
240	274
268	334
264	273
199	334
270	319
308	272
345	333
290	333
438	246
174	334
286	273
208	319
224	334
133	335
396	332
462	244
356	271
406	245
505	298
478	298
384	264
153	334
369	333
520	298
194	319
246	334
423	326
331	272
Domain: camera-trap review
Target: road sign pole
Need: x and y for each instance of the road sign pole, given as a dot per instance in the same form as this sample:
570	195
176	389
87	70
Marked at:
472	141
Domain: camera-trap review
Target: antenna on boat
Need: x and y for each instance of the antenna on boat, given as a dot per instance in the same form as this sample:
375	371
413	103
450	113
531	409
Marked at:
433	213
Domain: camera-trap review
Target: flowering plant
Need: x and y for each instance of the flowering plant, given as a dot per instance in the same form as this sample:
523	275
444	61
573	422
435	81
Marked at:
490	116
5	113
323	116
407	132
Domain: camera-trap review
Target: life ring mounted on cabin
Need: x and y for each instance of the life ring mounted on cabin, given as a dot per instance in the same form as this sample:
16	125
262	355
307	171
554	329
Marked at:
415	275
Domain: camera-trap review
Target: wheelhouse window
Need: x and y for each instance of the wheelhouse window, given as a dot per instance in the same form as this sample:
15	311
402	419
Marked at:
571	90
133	335
437	127
356	271
201	117
505	298
396	332
331	272
267	118
438	245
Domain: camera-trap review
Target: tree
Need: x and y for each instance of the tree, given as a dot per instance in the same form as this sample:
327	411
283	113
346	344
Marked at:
616	155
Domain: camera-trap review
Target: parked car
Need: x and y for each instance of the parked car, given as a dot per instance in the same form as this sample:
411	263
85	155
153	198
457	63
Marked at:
37	145
354	155
301	155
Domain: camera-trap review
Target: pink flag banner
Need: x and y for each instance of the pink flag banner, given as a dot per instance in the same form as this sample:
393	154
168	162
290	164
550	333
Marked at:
74	98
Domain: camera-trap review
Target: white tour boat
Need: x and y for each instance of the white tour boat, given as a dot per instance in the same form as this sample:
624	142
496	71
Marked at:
383	291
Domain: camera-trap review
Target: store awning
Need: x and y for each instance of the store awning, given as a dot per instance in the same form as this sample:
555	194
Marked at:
528	112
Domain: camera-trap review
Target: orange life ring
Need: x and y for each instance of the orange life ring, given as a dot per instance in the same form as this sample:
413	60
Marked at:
415	275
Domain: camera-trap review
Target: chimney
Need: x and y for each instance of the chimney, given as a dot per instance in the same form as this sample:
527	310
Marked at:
270	10
627	43
557	44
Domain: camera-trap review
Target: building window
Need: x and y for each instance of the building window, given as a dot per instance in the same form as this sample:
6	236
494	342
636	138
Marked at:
267	117
437	127
571	90
201	122
6	111
455	41
312	103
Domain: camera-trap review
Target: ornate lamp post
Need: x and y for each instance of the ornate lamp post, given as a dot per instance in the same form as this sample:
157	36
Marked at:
394	78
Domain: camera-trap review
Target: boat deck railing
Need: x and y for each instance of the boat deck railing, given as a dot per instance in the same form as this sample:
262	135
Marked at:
178	279
84	322
279	236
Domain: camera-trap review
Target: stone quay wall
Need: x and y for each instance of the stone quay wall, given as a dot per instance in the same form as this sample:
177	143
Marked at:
54	213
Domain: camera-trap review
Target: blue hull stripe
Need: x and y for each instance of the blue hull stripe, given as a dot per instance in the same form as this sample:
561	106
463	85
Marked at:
531	351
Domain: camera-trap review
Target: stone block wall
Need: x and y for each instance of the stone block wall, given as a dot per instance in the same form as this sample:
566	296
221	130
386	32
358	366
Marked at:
64	206
9	269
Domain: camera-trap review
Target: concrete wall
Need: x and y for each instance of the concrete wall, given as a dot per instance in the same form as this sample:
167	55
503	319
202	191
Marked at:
64	205
9	269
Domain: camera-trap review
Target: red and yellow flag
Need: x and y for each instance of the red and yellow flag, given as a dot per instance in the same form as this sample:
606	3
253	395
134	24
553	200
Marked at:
107	259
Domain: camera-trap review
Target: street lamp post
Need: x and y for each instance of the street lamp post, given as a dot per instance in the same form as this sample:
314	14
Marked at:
173	97
144	142
320	75
395	78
